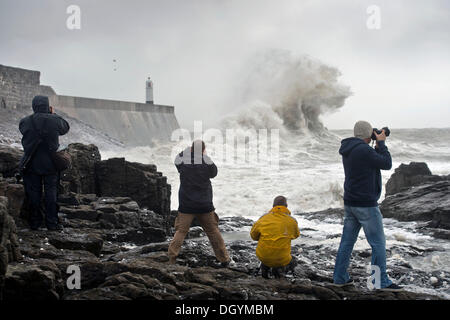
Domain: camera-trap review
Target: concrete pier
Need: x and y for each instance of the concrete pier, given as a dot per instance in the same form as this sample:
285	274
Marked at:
133	123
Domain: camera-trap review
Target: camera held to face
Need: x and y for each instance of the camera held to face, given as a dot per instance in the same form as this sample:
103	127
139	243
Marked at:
386	131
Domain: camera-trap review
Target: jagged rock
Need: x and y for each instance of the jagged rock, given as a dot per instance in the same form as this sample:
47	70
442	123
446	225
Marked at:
129	206
69	199
82	212
200	292
81	177
442	234
195	232
409	175
32	282
199	276
89	242
76	199
9	160
9	246
323	214
129	286
137	236
227	224
113	200
324	293
119	178
15	194
120	220
430	202
96	294
87	198
110	238
105	208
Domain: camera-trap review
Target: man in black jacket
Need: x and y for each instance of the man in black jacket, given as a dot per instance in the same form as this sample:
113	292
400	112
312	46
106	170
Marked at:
41	170
196	200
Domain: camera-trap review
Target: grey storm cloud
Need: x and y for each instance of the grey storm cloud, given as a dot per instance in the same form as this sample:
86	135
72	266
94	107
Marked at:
196	52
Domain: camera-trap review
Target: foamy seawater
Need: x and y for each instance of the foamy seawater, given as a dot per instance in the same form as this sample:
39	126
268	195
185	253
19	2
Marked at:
310	172
311	175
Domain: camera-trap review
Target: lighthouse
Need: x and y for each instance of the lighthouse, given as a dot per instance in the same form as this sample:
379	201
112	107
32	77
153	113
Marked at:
149	91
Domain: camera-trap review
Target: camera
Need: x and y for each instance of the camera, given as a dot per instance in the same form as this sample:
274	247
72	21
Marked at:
386	131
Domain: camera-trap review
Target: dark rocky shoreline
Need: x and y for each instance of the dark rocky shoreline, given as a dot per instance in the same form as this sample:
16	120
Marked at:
117	226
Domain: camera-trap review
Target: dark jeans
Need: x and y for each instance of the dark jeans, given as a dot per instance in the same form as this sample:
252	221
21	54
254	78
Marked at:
280	271
33	186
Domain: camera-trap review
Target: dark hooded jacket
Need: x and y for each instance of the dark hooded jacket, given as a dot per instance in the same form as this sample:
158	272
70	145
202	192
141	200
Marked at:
362	164
195	194
51	127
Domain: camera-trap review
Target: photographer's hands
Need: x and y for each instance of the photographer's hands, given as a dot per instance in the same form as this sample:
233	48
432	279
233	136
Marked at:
381	136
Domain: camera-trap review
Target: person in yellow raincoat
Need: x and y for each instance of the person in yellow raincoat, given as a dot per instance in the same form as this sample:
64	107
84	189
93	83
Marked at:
274	232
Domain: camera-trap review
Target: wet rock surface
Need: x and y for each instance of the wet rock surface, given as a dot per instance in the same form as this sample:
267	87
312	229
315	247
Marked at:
80	178
127	270
417	195
119	241
410	175
15	194
117	178
429	202
9	160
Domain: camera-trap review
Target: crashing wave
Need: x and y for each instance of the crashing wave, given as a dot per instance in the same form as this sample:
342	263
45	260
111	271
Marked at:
282	90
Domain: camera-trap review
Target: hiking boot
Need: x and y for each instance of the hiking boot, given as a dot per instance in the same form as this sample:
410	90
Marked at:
392	287
277	272
224	264
350	282
265	271
172	260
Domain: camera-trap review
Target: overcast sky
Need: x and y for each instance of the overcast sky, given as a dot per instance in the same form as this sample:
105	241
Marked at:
195	50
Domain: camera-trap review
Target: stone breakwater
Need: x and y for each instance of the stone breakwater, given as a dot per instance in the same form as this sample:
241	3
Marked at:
19	86
118	237
131	123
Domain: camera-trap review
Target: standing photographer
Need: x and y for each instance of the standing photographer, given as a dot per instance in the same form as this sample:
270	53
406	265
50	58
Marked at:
362	189
42	129
195	197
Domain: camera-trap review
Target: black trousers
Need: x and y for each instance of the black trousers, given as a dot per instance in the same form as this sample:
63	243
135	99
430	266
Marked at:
34	185
278	272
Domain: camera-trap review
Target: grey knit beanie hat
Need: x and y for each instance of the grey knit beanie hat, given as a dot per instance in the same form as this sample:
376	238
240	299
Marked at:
363	130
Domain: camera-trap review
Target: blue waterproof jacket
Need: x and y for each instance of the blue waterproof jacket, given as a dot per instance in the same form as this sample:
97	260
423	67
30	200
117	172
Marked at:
362	165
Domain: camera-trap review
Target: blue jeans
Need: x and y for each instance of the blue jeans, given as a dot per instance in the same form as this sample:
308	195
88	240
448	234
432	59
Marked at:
371	220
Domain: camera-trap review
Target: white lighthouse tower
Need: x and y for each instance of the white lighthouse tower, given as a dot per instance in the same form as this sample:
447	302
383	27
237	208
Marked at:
149	91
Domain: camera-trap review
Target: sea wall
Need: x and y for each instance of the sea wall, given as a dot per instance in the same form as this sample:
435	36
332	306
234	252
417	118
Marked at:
134	124
19	86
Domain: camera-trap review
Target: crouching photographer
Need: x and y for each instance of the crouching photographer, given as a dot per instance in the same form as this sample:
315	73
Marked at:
362	189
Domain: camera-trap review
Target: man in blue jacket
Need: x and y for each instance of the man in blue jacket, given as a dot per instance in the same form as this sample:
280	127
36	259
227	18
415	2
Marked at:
362	189
41	172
